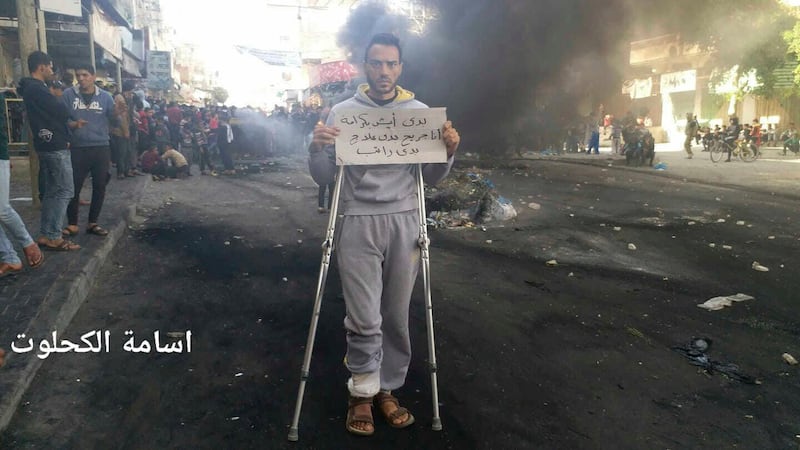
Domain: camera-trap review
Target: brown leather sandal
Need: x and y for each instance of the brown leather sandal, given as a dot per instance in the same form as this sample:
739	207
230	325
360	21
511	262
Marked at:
382	398
353	418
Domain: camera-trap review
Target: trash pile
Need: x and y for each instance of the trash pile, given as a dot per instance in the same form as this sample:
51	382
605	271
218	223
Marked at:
465	200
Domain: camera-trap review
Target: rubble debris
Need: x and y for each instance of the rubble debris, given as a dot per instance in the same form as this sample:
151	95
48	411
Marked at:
789	359
717	303
466	200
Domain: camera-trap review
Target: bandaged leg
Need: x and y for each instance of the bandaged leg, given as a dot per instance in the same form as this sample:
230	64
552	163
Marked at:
364	384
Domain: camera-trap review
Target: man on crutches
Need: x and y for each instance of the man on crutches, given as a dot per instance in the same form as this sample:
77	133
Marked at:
378	247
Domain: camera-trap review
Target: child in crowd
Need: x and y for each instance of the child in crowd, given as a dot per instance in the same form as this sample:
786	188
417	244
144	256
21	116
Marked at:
172	164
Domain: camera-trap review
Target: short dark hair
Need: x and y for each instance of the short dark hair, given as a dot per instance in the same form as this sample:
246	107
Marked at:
85	66
384	39
36	59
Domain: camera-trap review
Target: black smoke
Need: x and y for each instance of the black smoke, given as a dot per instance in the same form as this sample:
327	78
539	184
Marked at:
512	73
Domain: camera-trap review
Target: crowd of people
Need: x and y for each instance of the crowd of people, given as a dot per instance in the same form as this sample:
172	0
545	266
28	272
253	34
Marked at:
81	130
752	133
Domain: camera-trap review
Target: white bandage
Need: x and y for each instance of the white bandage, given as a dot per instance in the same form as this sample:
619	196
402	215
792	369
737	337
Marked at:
364	384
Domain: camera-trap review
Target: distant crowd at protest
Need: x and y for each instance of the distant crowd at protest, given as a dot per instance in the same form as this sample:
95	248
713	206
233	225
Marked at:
81	128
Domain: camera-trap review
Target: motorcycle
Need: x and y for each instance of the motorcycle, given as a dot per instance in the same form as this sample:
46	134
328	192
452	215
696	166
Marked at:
641	149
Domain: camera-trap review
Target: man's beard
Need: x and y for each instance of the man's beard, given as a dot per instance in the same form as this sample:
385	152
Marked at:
373	87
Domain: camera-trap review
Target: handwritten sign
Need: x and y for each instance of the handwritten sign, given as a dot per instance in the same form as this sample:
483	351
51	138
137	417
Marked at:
390	136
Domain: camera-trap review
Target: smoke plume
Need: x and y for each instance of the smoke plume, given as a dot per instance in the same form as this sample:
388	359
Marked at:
513	74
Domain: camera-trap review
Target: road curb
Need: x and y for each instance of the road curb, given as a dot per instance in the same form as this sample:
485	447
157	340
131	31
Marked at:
603	163
63	300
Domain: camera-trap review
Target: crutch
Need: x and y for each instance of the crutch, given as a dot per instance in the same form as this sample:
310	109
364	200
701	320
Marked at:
424	244
327	247
327	250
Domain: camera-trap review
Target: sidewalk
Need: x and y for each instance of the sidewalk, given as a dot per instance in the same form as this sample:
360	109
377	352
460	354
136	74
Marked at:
38	302
772	173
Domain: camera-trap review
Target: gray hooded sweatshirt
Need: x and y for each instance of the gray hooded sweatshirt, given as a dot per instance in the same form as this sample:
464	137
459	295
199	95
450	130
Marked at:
375	189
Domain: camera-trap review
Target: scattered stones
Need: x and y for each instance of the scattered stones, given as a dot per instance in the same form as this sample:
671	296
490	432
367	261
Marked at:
759	267
552	263
789	359
617	228
631	247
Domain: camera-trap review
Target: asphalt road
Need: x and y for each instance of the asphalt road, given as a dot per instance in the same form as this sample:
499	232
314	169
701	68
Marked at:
574	355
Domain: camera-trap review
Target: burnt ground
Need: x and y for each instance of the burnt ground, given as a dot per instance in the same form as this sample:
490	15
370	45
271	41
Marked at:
571	356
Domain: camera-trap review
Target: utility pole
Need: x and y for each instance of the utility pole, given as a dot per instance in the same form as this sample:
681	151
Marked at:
27	29
42	30
29	42
90	25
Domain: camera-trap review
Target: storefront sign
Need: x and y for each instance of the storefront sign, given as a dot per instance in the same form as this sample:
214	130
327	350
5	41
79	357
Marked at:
106	33
159	70
66	7
638	88
679	81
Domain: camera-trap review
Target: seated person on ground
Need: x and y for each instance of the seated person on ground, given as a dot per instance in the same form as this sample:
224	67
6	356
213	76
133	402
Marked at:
173	164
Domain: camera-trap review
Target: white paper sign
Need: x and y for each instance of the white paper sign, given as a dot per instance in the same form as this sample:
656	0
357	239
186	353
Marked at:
390	136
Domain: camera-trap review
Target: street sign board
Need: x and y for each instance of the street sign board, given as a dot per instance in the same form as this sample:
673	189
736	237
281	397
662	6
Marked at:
159	70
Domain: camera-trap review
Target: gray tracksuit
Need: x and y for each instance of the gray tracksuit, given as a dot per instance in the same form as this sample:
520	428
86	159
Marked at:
377	251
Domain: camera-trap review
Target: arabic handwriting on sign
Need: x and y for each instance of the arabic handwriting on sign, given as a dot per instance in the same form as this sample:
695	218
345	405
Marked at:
385	122
414	122
356	120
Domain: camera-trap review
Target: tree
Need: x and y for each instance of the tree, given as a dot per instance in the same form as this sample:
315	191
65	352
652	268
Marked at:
219	94
793	39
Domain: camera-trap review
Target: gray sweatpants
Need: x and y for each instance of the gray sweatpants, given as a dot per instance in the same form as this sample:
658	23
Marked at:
378	259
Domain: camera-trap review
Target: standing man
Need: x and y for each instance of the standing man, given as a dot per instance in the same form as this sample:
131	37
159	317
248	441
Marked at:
49	120
378	253
174	118
121	137
90	145
691	132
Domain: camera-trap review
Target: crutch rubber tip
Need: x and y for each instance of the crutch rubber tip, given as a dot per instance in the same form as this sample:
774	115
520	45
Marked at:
437	424
293	436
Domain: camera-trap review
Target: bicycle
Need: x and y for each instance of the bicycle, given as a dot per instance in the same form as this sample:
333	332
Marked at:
745	151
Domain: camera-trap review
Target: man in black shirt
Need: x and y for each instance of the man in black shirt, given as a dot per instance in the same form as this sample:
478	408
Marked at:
49	121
